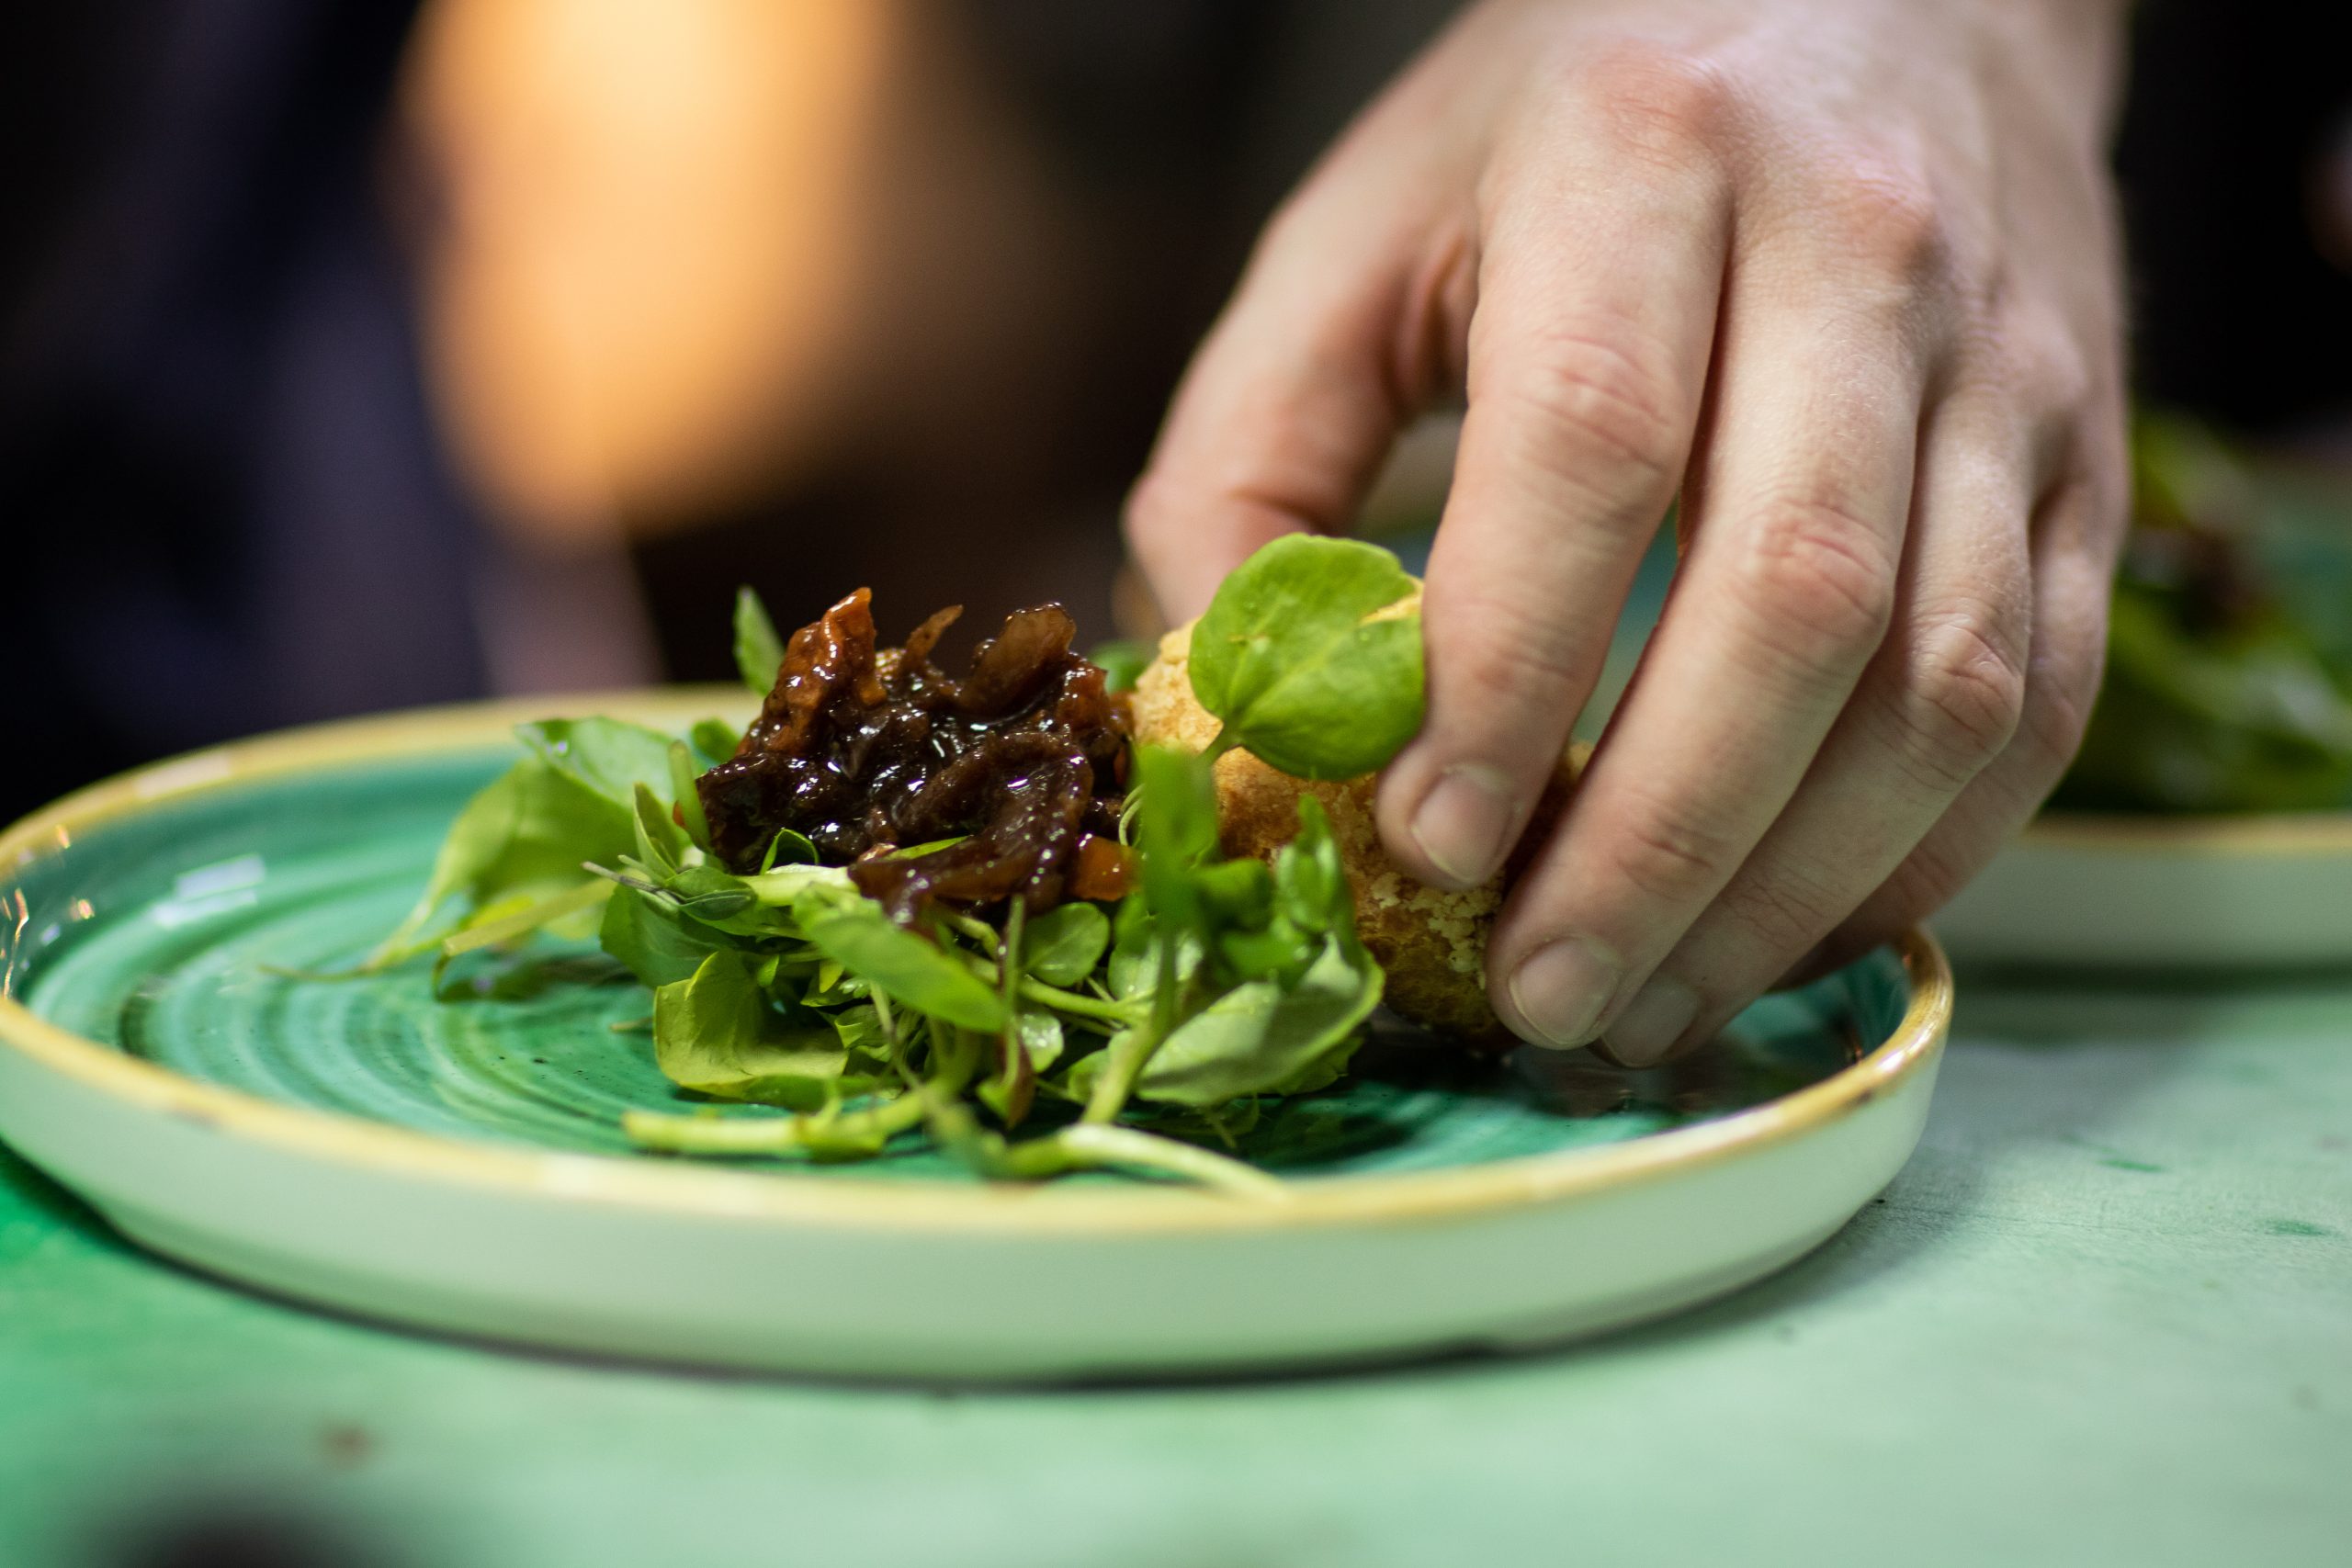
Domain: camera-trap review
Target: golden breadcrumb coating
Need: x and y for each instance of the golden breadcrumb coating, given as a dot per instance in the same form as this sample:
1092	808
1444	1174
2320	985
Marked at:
1432	943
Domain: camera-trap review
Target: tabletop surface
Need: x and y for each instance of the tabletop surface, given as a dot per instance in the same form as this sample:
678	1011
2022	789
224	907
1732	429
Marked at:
2105	1315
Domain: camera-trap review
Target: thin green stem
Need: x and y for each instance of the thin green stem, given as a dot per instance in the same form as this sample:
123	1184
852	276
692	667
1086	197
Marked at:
768	1134
1089	1145
980	930
1035	990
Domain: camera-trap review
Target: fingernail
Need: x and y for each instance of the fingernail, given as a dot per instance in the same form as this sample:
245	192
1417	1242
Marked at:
1561	989
1659	1014
1465	822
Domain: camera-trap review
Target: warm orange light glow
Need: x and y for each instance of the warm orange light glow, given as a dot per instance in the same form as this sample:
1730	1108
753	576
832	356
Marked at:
636	294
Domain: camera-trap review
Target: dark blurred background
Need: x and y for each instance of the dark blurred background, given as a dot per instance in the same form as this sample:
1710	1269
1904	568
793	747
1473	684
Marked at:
375	353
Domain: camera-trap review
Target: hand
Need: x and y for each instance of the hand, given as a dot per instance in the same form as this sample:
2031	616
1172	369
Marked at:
1844	276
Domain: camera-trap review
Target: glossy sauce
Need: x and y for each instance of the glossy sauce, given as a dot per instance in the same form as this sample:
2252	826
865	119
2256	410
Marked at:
866	750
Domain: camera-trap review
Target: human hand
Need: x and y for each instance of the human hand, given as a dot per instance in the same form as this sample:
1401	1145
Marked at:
1841	274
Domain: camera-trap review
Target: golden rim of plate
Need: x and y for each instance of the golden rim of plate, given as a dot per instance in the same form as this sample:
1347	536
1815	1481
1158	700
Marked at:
2253	833
691	1189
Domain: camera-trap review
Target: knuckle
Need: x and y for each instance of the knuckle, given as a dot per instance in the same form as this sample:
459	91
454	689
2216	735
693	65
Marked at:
1666	856
1502	648
1590	399
1883	212
1817	583
2055	715
1965	695
1658	100
1786	910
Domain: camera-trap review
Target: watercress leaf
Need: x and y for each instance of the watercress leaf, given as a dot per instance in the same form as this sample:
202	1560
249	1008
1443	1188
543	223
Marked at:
1310	884
706	893
860	1031
609	756
1122	662
1289	658
715	738
716	1033
1062	945
1279	951
660	945
1078	1080
1132	962
1265	1037
689	799
526	833
787	848
854	930
1235	892
759	651
1041	1035
661	842
1176	831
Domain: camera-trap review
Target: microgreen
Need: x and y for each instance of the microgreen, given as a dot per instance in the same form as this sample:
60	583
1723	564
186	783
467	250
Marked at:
1216	982
759	651
1295	658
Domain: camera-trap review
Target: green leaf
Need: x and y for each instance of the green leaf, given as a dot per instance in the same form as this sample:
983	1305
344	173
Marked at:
1288	659
524	836
706	893
860	1031
1062	945
1133	931
1041	1034
1310	884
661	842
1122	662
1176	830
788	848
660	946
759	651
1262	1037
852	929
609	756
715	738
689	800
716	1033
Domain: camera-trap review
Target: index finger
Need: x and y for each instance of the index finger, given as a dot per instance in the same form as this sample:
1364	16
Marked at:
1587	361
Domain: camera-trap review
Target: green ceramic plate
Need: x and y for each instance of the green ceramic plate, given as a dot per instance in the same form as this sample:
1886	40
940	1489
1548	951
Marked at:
460	1164
2162	893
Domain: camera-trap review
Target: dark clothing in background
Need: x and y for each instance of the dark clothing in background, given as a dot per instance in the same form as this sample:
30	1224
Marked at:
220	481
2236	313
228	508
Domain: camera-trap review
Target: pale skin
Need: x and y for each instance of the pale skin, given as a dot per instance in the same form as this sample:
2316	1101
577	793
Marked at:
1842	275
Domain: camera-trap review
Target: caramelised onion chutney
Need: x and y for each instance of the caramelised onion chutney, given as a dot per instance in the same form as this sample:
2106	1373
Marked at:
867	752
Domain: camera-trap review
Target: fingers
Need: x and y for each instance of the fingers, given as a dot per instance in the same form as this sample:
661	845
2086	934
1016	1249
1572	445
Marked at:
2072	558
1587	361
1282	419
1941	701
1786	590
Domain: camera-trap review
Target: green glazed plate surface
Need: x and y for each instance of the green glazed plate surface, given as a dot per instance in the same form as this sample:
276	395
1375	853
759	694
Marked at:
171	1048
187	937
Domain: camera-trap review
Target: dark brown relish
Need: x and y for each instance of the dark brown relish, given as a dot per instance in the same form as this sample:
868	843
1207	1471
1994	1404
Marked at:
865	751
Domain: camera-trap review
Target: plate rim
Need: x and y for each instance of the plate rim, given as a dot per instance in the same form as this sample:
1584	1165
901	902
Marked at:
2264	833
714	1192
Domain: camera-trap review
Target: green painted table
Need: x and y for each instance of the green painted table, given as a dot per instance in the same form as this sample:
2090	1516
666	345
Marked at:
2105	1316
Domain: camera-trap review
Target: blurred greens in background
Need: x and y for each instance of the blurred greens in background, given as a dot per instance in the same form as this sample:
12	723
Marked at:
2228	678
